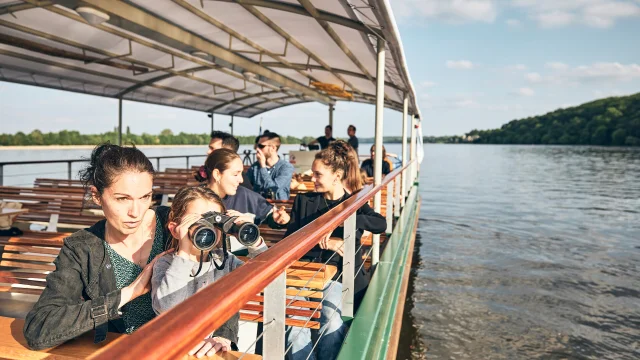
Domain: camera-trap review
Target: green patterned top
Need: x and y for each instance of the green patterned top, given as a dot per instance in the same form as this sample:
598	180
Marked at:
138	311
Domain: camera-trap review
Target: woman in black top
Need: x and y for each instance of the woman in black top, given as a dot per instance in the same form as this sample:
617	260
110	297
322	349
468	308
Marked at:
367	165
329	169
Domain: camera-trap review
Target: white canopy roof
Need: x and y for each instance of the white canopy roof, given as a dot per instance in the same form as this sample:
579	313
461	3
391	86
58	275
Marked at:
233	57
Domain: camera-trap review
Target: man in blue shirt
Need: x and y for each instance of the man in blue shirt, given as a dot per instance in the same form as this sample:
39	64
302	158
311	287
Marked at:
270	175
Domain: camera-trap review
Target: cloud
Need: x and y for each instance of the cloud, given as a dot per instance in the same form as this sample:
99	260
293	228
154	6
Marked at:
524	92
460	65
593	13
513	23
517	67
556	65
427	84
533	77
554	19
458	11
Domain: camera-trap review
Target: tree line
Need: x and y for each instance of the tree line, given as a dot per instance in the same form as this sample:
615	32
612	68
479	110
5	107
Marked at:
166	137
610	121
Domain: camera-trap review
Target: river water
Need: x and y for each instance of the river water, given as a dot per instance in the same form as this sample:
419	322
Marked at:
526	252
522	252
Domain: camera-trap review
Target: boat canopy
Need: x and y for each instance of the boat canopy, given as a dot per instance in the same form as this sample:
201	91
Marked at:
232	57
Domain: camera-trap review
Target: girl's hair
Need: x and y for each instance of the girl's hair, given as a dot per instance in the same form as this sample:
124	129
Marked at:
109	161
384	151
336	157
219	159
352	179
181	201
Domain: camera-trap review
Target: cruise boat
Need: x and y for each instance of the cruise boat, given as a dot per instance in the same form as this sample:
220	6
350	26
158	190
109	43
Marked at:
239	58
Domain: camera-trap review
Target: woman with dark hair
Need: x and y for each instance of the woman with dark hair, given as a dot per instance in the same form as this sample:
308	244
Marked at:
329	170
368	165
103	273
222	173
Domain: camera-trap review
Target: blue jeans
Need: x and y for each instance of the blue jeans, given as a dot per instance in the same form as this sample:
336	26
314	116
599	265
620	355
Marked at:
329	337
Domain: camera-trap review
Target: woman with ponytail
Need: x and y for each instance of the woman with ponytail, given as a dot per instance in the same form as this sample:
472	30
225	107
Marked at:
222	173
102	276
331	168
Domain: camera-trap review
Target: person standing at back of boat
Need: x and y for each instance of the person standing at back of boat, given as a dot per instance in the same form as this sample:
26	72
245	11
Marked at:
102	276
270	175
222	173
324	141
353	140
223	140
330	168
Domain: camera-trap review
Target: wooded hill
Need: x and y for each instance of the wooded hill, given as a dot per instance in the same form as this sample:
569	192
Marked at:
610	121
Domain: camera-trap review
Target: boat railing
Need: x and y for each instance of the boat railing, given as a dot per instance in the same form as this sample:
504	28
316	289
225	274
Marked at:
172	334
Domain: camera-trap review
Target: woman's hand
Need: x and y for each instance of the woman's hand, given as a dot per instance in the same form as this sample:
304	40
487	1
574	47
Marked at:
142	284
208	347
242	218
333	244
280	216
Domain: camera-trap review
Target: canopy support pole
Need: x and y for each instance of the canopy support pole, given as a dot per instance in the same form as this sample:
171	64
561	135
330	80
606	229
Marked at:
231	124
212	114
377	174
414	166
404	149
331	108
120	121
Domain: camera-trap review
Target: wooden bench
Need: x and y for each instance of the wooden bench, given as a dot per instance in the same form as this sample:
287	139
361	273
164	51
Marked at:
50	206
27	260
166	184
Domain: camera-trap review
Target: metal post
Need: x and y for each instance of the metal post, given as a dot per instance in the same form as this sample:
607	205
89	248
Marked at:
120	121
377	175
1	175
396	196
389	214
405	110
274	316
187	162
331	108
69	170
412	176
158	164
231	124
212	121
349	265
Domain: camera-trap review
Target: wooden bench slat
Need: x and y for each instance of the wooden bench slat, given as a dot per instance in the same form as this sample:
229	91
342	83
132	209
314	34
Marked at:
295	303
289	322
288	311
10	280
38	258
32	249
22	274
24	265
20	290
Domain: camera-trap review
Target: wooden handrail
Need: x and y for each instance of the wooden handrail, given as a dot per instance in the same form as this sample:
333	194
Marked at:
174	333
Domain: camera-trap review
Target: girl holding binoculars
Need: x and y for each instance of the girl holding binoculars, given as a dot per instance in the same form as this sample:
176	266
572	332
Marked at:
177	276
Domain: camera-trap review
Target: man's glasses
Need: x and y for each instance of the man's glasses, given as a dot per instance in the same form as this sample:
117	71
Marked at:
262	146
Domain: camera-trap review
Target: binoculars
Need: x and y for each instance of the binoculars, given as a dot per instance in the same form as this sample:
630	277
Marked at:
203	235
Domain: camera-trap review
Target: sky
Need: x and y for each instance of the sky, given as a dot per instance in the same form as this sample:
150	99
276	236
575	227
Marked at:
475	64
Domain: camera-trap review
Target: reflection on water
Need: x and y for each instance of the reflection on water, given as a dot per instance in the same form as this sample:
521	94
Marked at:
526	252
